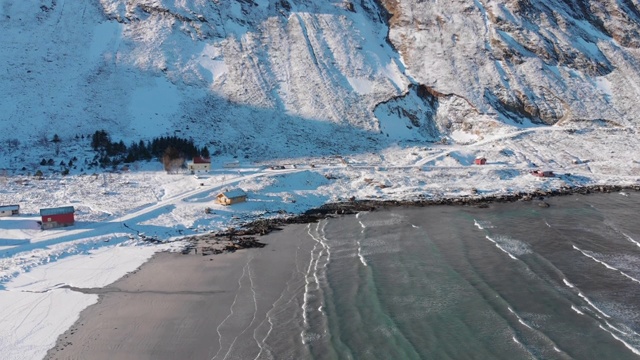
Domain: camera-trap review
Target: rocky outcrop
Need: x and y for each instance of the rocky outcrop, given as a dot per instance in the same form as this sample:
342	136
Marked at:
526	60
431	114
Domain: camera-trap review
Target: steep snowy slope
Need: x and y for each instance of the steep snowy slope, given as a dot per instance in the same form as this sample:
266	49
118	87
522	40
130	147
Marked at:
236	73
546	61
265	78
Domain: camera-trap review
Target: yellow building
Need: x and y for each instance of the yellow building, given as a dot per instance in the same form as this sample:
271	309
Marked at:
231	197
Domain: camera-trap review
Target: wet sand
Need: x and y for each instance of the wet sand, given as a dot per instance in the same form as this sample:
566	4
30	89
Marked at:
192	306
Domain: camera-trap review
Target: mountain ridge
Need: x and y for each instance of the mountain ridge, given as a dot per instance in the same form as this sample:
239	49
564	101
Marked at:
244	72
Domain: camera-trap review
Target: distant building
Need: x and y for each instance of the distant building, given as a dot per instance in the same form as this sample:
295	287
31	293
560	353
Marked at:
57	217
540	173
231	197
480	161
231	164
8	210
199	164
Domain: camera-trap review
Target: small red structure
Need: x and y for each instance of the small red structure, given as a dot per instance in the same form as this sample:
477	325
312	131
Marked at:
57	217
201	160
540	173
199	164
480	161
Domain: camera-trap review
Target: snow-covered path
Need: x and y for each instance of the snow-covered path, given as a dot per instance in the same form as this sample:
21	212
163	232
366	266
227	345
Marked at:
116	226
35	265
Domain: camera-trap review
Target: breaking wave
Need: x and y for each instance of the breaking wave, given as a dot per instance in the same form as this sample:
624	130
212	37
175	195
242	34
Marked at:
606	265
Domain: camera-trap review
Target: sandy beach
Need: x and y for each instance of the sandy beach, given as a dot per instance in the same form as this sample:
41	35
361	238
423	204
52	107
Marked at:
192	306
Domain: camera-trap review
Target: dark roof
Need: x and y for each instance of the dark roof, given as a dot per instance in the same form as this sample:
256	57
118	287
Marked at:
201	160
233	194
9	207
57	211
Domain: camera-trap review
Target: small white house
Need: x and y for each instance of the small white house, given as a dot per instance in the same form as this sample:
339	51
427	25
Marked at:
9	210
199	164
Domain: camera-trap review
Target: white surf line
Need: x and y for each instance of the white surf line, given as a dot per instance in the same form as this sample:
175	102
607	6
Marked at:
576	310
627	345
546	223
566	282
360	256
593	305
631	239
273	306
615	328
501	248
315	267
538	332
516	341
483	224
255	309
230	313
325	243
475	222
307	286
519	318
607	265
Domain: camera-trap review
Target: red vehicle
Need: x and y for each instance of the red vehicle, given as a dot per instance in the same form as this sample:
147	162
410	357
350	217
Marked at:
541	173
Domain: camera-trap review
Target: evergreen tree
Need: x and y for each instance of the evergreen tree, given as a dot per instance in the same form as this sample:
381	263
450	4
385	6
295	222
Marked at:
100	140
205	152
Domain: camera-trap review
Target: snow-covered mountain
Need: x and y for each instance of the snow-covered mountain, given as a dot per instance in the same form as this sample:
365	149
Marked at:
271	77
278	84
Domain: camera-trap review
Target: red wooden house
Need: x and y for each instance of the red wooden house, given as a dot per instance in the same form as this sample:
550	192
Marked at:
57	217
480	161
199	164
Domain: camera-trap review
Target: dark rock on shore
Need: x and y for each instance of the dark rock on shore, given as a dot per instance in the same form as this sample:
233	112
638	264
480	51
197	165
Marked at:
234	239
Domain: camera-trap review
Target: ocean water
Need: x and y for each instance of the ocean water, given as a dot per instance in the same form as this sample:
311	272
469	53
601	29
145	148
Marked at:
513	281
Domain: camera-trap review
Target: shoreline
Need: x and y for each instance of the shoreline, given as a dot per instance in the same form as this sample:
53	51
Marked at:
185	306
232	264
261	227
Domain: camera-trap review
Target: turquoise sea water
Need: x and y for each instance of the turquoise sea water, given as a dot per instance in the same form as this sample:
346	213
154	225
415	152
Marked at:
514	281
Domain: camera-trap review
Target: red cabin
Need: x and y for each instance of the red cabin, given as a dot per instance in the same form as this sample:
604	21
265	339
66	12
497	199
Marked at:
57	217
540	173
201	160
480	161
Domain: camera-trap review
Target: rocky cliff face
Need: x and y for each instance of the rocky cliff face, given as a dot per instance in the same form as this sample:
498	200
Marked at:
314	74
542	61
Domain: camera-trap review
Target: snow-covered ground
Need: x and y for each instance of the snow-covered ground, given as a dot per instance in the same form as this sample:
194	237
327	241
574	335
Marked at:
310	85
36	265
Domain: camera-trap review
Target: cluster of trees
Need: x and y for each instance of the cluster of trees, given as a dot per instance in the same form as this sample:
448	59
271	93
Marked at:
50	162
171	149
